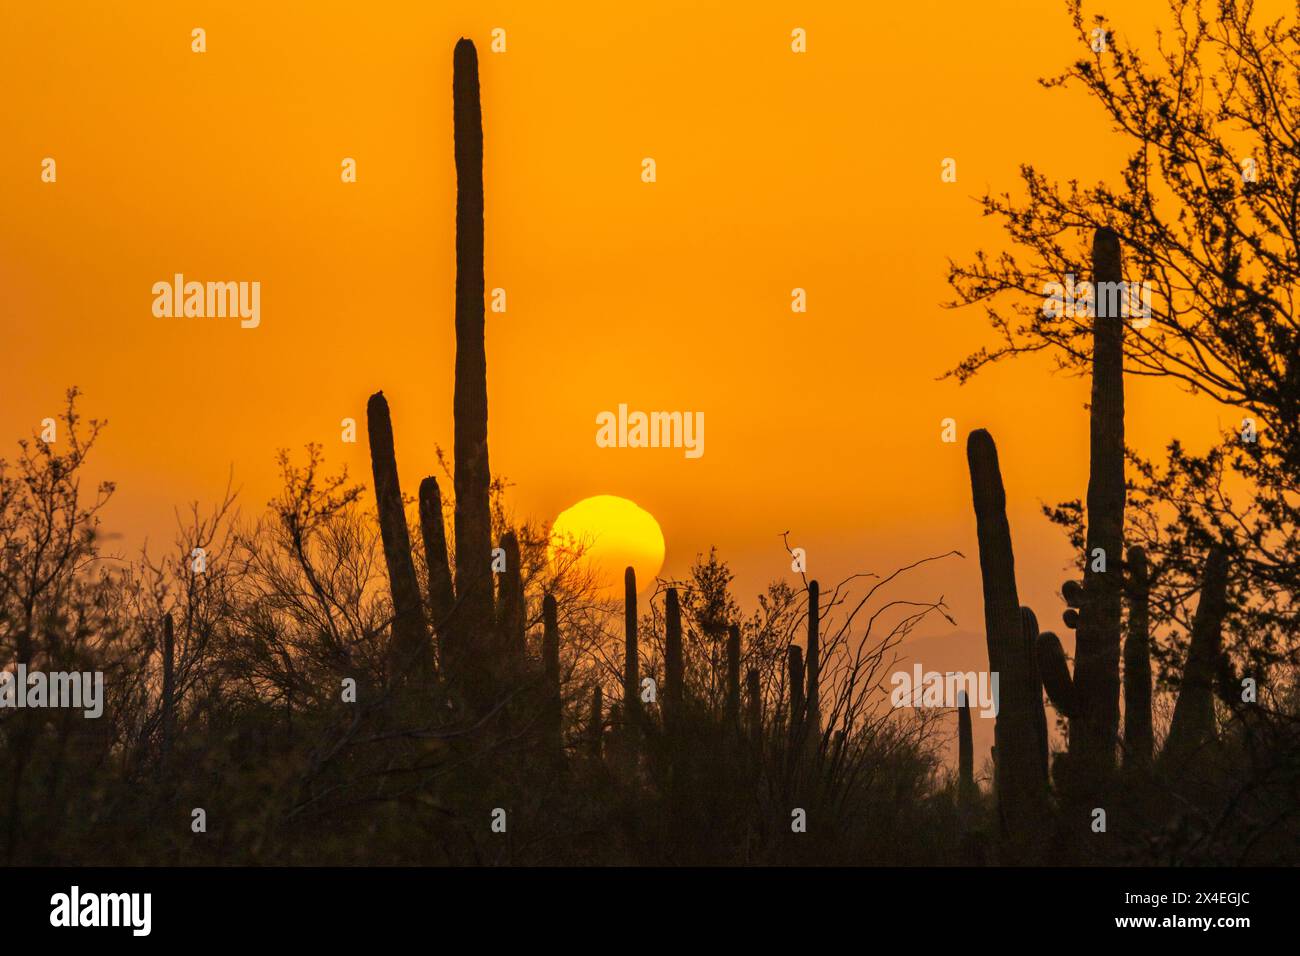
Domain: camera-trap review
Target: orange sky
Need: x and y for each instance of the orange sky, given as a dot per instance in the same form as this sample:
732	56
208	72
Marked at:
775	170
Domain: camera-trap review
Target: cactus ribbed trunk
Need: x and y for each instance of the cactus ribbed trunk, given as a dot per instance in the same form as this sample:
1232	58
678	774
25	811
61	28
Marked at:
552	706
1138	738
733	677
442	598
1192	726
673	662
512	613
631	664
1095	731
965	753
410	651
168	685
472	477
814	663
1021	788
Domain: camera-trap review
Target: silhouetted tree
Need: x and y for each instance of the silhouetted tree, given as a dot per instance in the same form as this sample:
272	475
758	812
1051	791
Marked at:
1205	210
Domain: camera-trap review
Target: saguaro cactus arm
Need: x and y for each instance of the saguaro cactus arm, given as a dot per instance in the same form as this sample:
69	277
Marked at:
1020	784
513	614
1193	721
432	529
411	647
1055	672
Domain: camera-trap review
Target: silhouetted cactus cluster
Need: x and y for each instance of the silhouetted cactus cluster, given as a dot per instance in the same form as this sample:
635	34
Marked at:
1029	662
481	639
481	631
471	637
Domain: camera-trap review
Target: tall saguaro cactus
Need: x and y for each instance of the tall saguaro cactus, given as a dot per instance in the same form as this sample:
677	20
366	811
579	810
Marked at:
442	598
410	650
965	752
1021	789
1193	721
631	663
472	476
814	663
795	667
1095	731
1137	664
674	672
552	707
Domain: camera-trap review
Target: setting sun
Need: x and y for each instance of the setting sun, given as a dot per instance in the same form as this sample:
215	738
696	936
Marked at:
614	533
